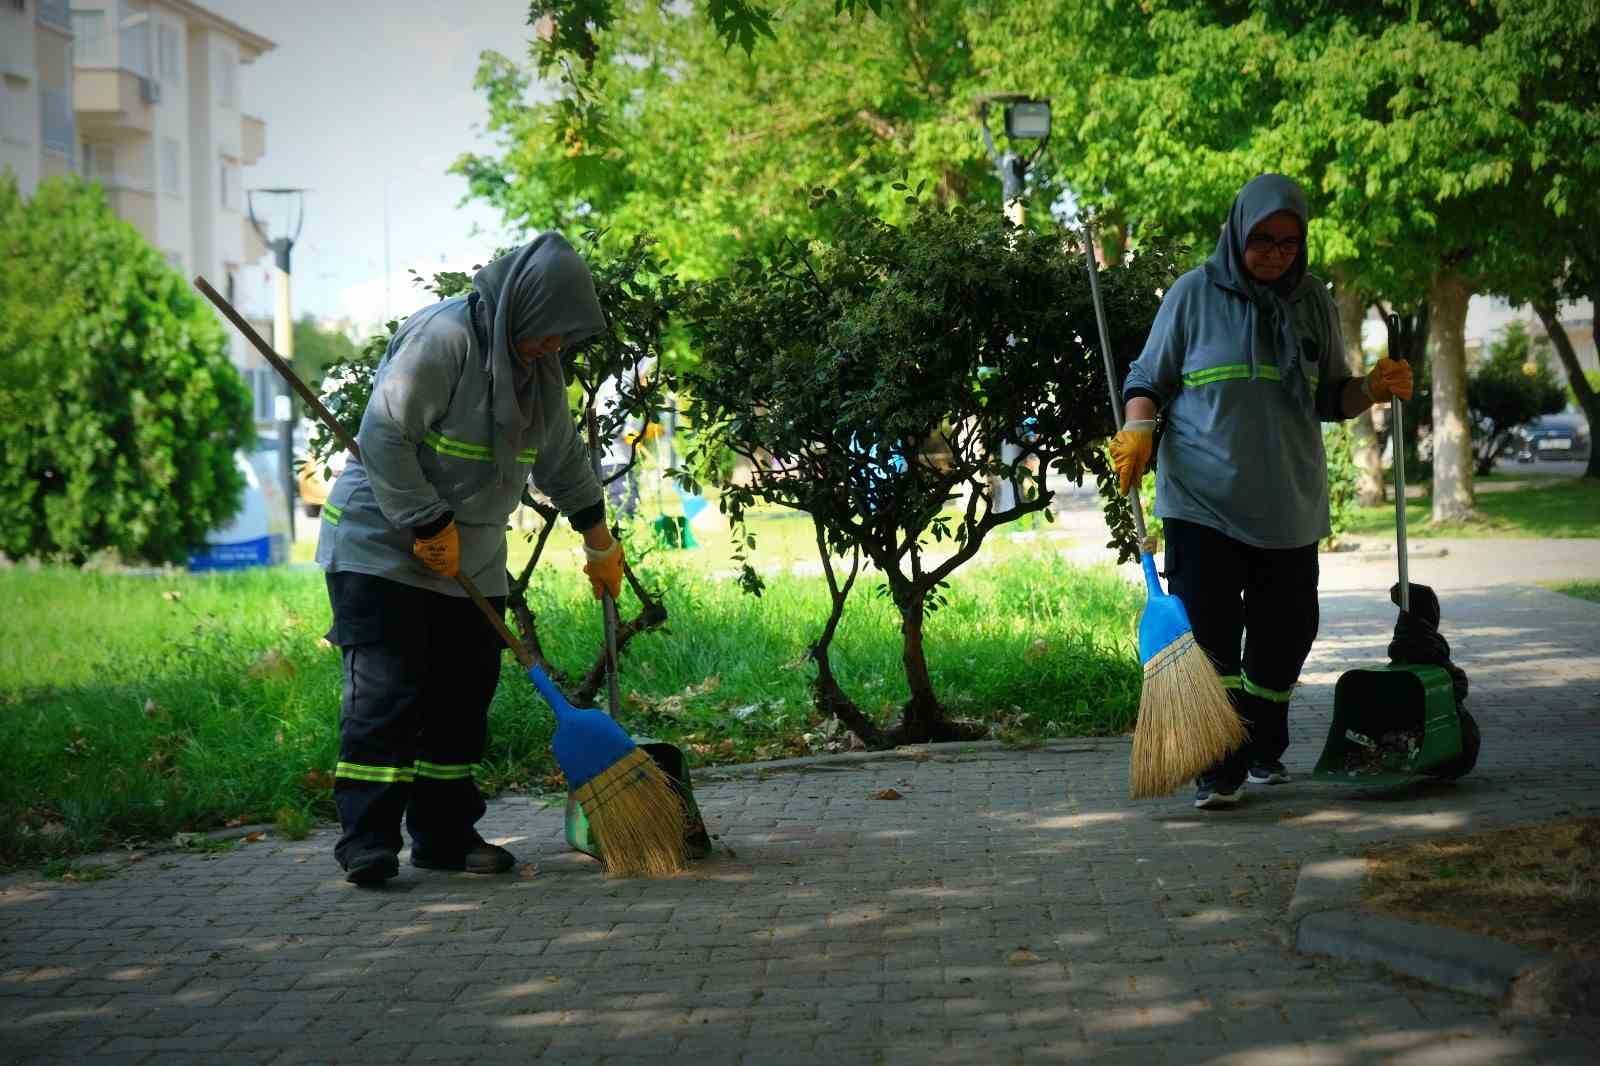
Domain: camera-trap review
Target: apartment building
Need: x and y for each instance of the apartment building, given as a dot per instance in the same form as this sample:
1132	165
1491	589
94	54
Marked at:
37	136
143	97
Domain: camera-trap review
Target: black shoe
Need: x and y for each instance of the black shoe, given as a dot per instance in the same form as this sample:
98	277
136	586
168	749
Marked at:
481	857
372	868
1269	773
1211	793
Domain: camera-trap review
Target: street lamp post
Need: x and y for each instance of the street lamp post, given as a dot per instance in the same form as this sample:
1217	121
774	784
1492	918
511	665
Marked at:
282	330
1026	119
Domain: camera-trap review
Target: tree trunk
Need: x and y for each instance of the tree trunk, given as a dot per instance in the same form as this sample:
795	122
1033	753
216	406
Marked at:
1588	399
1364	449
922	719
1452	429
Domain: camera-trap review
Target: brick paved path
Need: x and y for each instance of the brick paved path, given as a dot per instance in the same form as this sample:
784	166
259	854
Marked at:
1012	908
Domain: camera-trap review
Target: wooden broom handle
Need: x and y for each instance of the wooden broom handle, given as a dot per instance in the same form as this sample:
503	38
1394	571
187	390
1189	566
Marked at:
495	617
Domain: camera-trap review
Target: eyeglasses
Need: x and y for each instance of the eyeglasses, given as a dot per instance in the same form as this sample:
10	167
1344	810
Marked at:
1262	244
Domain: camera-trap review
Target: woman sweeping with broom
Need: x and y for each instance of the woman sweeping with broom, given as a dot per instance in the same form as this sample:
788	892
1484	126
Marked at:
468	403
1243	362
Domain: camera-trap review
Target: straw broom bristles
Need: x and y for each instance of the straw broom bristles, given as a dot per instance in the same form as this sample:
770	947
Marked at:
636	817
1186	721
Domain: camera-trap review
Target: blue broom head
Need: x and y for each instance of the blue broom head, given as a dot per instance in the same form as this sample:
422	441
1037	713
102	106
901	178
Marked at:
587	742
1163	620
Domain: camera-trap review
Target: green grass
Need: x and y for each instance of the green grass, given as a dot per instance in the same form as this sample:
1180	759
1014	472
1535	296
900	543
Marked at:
132	708
1565	507
1583	590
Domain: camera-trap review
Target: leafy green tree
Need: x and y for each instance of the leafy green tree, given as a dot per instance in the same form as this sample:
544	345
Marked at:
133	411
1426	134
870	382
657	126
1512	387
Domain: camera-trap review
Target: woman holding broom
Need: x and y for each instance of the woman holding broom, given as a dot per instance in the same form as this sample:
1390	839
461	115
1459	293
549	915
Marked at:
468	403
1243	362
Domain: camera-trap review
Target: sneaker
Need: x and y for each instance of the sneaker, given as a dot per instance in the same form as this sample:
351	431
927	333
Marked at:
1210	794
372	868
1269	773
481	857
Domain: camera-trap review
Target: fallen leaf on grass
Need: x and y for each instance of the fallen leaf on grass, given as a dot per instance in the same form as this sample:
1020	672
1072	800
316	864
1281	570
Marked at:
316	780
887	794
1023	956
172	596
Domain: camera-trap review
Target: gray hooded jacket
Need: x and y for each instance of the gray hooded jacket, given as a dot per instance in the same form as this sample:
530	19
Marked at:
458	424
1244	374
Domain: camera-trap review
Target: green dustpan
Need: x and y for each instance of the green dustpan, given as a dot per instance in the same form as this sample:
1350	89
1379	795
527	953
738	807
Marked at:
696	841
1373	702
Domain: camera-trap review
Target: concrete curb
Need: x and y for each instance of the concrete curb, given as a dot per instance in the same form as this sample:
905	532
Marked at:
1325	919
851	759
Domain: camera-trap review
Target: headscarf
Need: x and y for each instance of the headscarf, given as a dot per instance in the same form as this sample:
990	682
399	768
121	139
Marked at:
1270	338
540	290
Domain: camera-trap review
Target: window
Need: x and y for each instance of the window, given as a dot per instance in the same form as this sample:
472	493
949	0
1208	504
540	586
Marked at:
227	80
231	195
167	53
92	45
174	260
13	110
170	153
99	163
264	388
136	45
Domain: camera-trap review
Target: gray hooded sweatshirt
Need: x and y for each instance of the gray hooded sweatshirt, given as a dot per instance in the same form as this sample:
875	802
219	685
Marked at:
1244	373
458	423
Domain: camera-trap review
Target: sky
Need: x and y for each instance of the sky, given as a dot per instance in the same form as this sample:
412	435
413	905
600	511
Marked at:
361	97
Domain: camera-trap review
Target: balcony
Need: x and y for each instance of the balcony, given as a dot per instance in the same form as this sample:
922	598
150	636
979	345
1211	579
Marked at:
112	103
254	133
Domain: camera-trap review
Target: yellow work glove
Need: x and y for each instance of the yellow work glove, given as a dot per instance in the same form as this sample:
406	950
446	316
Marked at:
1390	378
1130	452
441	552
604	569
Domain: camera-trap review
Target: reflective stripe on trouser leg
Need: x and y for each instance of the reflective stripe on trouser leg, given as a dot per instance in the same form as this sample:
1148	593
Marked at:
1281	620
463	668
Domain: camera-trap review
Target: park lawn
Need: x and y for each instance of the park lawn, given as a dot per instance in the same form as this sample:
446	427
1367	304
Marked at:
1583	590
1554	507
135	707
1532	885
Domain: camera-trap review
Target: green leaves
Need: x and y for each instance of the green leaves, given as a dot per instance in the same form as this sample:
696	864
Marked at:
133	411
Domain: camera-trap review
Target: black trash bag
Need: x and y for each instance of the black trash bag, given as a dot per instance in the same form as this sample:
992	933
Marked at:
1417	639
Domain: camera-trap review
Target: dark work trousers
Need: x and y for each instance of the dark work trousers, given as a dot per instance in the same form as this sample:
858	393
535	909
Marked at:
419	671
1254	611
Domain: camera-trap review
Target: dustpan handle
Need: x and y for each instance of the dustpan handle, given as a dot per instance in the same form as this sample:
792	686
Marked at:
1398	438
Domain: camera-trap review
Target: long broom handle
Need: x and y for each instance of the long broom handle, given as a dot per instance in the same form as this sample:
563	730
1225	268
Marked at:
1111	367
344	437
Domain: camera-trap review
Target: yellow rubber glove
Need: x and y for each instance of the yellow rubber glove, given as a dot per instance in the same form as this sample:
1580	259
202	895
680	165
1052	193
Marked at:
604	569
1130	452
441	552
1390	378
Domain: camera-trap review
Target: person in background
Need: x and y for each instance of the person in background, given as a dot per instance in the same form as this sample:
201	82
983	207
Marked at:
468	403
1243	363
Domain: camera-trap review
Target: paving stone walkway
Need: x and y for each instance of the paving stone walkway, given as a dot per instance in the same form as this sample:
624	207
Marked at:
1013	907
